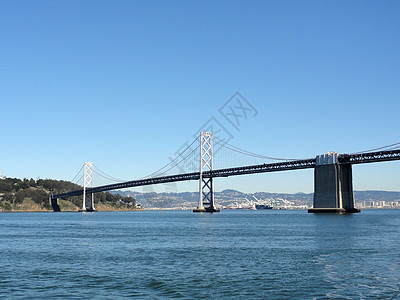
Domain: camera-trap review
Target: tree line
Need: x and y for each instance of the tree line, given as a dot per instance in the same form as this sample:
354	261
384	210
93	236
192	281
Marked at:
13	192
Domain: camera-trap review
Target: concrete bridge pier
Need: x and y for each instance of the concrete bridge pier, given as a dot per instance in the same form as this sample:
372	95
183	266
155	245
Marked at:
333	186
54	204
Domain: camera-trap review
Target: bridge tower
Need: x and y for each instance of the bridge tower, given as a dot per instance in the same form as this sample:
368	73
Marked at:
333	185
206	192
87	182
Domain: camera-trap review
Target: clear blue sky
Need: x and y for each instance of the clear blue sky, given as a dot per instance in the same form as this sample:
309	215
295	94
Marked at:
125	83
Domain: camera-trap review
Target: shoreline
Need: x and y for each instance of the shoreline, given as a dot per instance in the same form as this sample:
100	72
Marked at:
50	211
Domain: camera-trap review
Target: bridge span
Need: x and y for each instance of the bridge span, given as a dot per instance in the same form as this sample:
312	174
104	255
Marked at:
333	187
253	169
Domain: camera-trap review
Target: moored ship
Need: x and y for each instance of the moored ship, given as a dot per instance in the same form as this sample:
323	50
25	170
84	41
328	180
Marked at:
263	206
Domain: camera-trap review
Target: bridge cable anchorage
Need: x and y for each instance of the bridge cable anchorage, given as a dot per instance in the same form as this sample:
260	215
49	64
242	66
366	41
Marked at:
388	147
158	172
248	153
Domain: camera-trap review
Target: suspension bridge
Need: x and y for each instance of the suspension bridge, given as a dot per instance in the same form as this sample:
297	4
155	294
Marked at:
333	186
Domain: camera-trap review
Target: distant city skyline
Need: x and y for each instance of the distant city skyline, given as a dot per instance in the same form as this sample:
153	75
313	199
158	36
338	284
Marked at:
125	84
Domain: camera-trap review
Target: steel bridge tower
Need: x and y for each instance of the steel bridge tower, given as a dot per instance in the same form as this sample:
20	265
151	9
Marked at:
87	182
206	192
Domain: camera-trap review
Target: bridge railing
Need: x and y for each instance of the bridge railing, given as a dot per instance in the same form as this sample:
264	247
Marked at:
369	157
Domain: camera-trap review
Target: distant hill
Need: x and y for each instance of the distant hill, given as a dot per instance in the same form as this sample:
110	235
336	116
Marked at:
231	192
377	196
228	197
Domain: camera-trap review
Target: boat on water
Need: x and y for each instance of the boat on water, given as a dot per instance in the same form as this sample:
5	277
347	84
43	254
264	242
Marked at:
263	206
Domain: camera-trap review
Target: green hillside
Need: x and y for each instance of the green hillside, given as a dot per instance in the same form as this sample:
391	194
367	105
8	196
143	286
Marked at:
34	195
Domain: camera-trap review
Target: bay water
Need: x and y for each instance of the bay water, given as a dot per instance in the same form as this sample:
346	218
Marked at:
234	254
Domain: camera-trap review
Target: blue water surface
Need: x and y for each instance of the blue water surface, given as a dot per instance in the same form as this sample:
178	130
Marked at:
272	254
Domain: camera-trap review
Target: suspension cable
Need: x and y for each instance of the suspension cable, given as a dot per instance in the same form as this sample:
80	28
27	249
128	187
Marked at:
107	175
220	142
172	161
79	179
180	161
391	147
77	174
107	178
245	152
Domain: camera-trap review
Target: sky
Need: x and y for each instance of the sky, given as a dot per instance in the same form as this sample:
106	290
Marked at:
125	84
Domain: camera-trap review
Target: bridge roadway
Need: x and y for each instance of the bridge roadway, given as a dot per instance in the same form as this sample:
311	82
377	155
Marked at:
368	157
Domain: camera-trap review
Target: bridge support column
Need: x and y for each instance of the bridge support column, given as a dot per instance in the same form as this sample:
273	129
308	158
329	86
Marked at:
206	191
92	203
333	186
87	182
54	204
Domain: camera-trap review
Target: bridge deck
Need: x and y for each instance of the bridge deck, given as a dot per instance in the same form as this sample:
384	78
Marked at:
253	169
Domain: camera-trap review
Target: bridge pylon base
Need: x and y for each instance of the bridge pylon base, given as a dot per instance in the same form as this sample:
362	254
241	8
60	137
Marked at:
87	210
333	186
206	209
54	204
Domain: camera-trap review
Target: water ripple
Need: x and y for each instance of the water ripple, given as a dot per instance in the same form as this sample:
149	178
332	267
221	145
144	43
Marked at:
240	255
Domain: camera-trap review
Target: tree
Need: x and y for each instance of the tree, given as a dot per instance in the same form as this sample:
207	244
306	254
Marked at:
32	182
5	186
